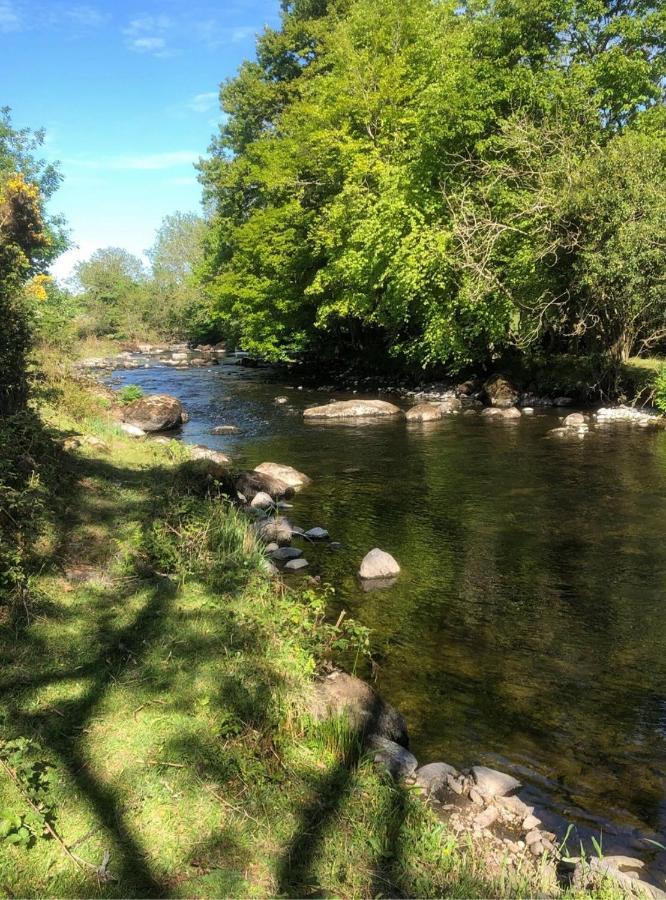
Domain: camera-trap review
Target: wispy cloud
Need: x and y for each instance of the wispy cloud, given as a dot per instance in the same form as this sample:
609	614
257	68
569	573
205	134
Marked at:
9	17
149	34
214	34
202	103
142	162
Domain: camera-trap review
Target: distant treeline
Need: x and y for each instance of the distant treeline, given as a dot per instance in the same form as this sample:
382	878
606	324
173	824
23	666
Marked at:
440	182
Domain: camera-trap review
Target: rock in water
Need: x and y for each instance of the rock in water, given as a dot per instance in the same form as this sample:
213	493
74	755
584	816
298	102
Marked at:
353	409
159	412
283	554
573	420
291	477
316	534
251	483
262	500
378	564
340	694
198	451
424	412
225	429
500	392
295	565
491	783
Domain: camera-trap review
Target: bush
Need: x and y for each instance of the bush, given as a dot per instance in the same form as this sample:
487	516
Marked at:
130	393
660	389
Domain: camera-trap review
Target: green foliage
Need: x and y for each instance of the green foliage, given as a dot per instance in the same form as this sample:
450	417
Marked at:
23	824
428	181
29	240
117	297
129	393
660	389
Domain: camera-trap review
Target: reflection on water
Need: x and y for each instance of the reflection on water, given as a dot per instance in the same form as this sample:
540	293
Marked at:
527	628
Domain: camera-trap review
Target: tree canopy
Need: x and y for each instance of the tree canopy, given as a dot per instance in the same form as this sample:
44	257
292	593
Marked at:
440	181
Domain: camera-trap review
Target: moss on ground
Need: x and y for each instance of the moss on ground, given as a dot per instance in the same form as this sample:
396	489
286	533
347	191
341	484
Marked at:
161	686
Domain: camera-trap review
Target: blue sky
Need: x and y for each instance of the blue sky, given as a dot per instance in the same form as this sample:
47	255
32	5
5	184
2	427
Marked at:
127	93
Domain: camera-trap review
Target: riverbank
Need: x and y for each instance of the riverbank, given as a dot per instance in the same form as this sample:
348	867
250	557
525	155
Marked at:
157	678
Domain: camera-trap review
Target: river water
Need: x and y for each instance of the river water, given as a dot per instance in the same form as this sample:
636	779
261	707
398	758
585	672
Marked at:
527	630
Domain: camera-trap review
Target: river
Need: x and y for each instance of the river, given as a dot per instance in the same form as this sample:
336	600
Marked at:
527	630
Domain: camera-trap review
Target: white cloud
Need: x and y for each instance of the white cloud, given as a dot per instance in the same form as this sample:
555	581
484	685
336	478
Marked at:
146	162
201	103
242	33
9	17
148	34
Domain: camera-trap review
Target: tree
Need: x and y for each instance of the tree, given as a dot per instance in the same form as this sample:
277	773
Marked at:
29	241
175	257
112	282
404	180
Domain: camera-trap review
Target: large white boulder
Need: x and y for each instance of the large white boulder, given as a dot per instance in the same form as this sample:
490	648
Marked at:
379	564
290	476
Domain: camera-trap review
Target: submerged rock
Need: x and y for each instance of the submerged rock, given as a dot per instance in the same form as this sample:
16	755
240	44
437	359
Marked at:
283	554
158	412
225	429
316	534
295	565
378	564
340	694
353	409
424	412
290	476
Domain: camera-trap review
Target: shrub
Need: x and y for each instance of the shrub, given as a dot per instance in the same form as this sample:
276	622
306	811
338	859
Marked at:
130	393
660	389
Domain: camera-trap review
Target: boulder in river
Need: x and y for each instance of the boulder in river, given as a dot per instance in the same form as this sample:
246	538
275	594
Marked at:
424	412
353	409
500	415
340	694
316	534
225	429
157	412
378	564
290	476
500	392
573	420
450	405
248	483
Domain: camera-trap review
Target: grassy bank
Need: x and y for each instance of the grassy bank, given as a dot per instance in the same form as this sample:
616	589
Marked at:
153	684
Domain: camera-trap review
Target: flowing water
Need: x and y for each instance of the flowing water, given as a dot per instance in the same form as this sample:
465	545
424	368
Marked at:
527	630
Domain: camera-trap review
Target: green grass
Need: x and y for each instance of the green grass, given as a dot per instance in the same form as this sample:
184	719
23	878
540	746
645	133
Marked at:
164	695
